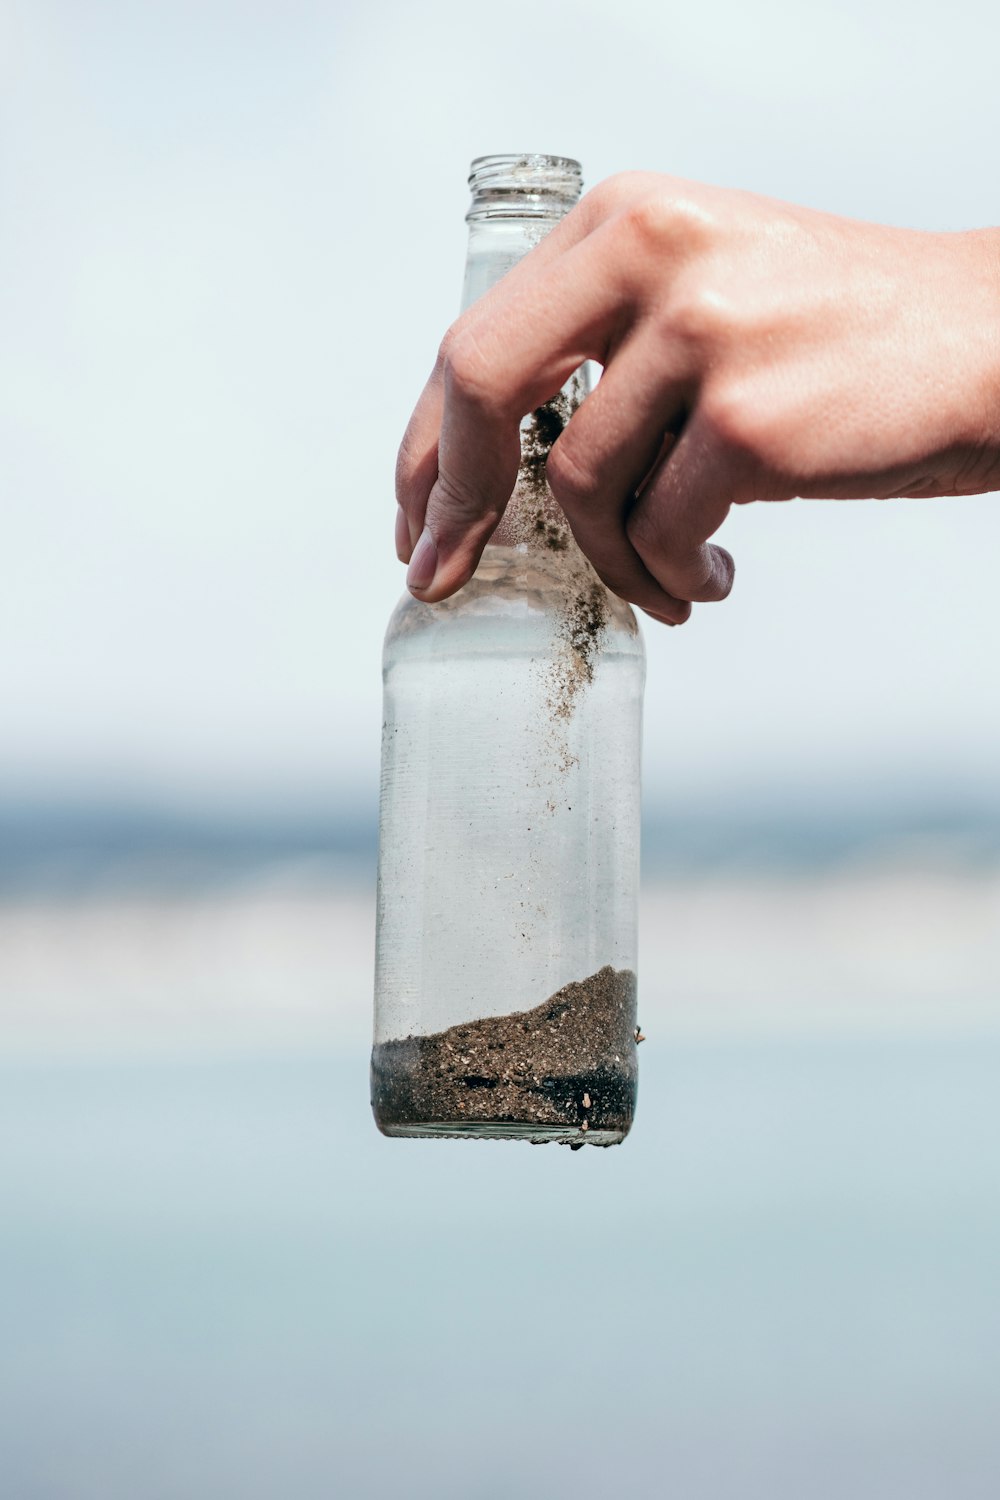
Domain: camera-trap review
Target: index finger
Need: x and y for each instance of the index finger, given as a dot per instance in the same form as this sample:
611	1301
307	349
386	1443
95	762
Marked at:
417	461
507	356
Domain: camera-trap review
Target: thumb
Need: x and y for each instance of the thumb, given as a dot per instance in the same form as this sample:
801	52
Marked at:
464	508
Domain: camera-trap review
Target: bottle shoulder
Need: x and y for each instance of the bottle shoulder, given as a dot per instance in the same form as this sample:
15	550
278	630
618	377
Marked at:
518	597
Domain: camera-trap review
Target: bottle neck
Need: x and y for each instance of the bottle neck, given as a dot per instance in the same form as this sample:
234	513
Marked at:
495	247
516	201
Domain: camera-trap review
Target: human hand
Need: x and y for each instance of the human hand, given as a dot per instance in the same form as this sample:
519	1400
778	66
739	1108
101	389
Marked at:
752	350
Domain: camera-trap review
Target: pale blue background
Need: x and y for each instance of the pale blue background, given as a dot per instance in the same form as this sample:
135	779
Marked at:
222	1282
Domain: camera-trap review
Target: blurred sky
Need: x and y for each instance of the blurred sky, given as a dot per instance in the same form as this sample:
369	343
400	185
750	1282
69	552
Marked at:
232	237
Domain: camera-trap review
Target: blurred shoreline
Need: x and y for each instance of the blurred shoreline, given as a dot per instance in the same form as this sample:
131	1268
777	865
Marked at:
124	926
71	847
284	958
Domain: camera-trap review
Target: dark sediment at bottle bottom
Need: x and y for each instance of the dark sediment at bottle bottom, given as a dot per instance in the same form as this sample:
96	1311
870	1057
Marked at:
564	1071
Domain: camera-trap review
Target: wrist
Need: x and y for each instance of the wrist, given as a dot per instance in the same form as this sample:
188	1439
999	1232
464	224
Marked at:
984	338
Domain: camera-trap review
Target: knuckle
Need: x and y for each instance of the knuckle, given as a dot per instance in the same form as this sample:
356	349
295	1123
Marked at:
570	480
445	347
643	532
613	193
456	509
648	220
447	339
663	219
467	372
700	315
732	420
598	203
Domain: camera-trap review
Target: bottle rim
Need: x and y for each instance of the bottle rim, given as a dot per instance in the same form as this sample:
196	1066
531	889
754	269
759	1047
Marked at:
526	184
538	160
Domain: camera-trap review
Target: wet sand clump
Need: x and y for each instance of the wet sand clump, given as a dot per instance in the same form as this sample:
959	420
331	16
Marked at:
565	1070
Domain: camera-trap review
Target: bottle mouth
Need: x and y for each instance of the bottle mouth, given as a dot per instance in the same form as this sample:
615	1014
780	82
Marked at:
523	185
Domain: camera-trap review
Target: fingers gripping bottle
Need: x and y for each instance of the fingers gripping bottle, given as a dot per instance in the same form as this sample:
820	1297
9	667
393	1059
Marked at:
509	828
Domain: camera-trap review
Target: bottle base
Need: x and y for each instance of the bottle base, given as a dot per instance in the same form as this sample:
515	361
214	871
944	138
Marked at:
499	1130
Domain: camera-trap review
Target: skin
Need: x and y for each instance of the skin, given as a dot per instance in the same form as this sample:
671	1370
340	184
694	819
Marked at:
752	350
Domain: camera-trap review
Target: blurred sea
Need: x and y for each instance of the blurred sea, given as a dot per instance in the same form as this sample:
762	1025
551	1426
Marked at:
217	1280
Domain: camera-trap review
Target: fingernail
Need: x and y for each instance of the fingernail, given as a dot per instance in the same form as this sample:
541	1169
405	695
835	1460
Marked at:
423	563
402	535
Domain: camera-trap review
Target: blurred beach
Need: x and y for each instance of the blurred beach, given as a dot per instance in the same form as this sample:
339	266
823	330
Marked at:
287	957
219	1280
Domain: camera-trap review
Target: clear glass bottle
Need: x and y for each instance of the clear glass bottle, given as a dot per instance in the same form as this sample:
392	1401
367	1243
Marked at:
509	828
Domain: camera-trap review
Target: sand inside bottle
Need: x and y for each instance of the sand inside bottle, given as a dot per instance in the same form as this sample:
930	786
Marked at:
563	1071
